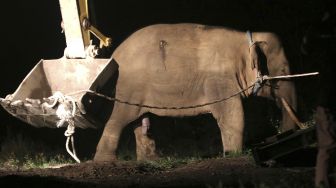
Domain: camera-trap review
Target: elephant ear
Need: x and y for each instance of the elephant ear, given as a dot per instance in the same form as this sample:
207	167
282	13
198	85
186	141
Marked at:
258	57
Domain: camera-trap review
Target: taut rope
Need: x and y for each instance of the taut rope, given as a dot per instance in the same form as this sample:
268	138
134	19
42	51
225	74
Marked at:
265	77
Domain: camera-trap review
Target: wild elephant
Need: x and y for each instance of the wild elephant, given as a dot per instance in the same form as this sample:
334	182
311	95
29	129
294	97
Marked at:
187	65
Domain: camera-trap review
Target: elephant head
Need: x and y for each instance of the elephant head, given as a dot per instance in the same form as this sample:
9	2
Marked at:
267	57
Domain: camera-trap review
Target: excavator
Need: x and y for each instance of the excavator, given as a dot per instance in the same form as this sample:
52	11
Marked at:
55	92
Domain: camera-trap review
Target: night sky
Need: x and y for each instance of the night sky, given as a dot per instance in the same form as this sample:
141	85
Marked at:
31	30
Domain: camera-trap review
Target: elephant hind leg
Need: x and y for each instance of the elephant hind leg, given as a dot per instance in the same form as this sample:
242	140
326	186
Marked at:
145	144
108	144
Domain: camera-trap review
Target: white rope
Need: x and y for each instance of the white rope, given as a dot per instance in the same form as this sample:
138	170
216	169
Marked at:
69	134
66	112
265	77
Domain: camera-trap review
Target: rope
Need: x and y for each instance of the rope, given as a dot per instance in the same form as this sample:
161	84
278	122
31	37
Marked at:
65	114
69	134
161	107
265	77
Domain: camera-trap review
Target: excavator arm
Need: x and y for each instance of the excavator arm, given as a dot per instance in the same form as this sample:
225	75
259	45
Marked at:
78	29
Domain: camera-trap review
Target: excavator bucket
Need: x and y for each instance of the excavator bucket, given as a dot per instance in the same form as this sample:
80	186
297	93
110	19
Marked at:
72	89
75	78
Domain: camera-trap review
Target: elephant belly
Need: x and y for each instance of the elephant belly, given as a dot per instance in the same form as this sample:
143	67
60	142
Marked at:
173	67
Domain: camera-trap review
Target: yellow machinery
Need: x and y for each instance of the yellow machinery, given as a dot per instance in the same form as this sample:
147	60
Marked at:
77	27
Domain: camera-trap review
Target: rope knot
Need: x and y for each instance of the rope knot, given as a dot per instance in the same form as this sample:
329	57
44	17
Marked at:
70	130
66	112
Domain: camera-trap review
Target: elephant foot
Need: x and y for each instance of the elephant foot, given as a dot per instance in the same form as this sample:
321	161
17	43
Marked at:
101	158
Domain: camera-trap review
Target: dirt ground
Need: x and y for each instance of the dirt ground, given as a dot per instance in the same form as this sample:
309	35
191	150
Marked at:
219	172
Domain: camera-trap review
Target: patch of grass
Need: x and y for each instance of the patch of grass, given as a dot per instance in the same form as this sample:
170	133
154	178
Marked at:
169	163
19	152
234	154
166	163
40	160
172	162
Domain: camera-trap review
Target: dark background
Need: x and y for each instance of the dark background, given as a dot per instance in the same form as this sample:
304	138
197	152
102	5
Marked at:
30	31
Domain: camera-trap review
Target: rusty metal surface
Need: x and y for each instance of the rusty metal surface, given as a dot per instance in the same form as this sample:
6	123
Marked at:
49	76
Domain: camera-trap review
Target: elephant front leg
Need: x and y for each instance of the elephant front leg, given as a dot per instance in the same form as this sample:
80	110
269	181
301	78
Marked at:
230	119
108	144
121	116
145	145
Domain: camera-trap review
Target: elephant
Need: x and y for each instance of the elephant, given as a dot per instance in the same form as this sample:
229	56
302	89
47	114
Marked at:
172	69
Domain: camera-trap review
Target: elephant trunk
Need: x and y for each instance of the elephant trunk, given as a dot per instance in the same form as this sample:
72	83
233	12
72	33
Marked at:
286	100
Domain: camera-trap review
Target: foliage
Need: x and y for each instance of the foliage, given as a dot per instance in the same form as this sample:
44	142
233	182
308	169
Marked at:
21	152
233	154
168	163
